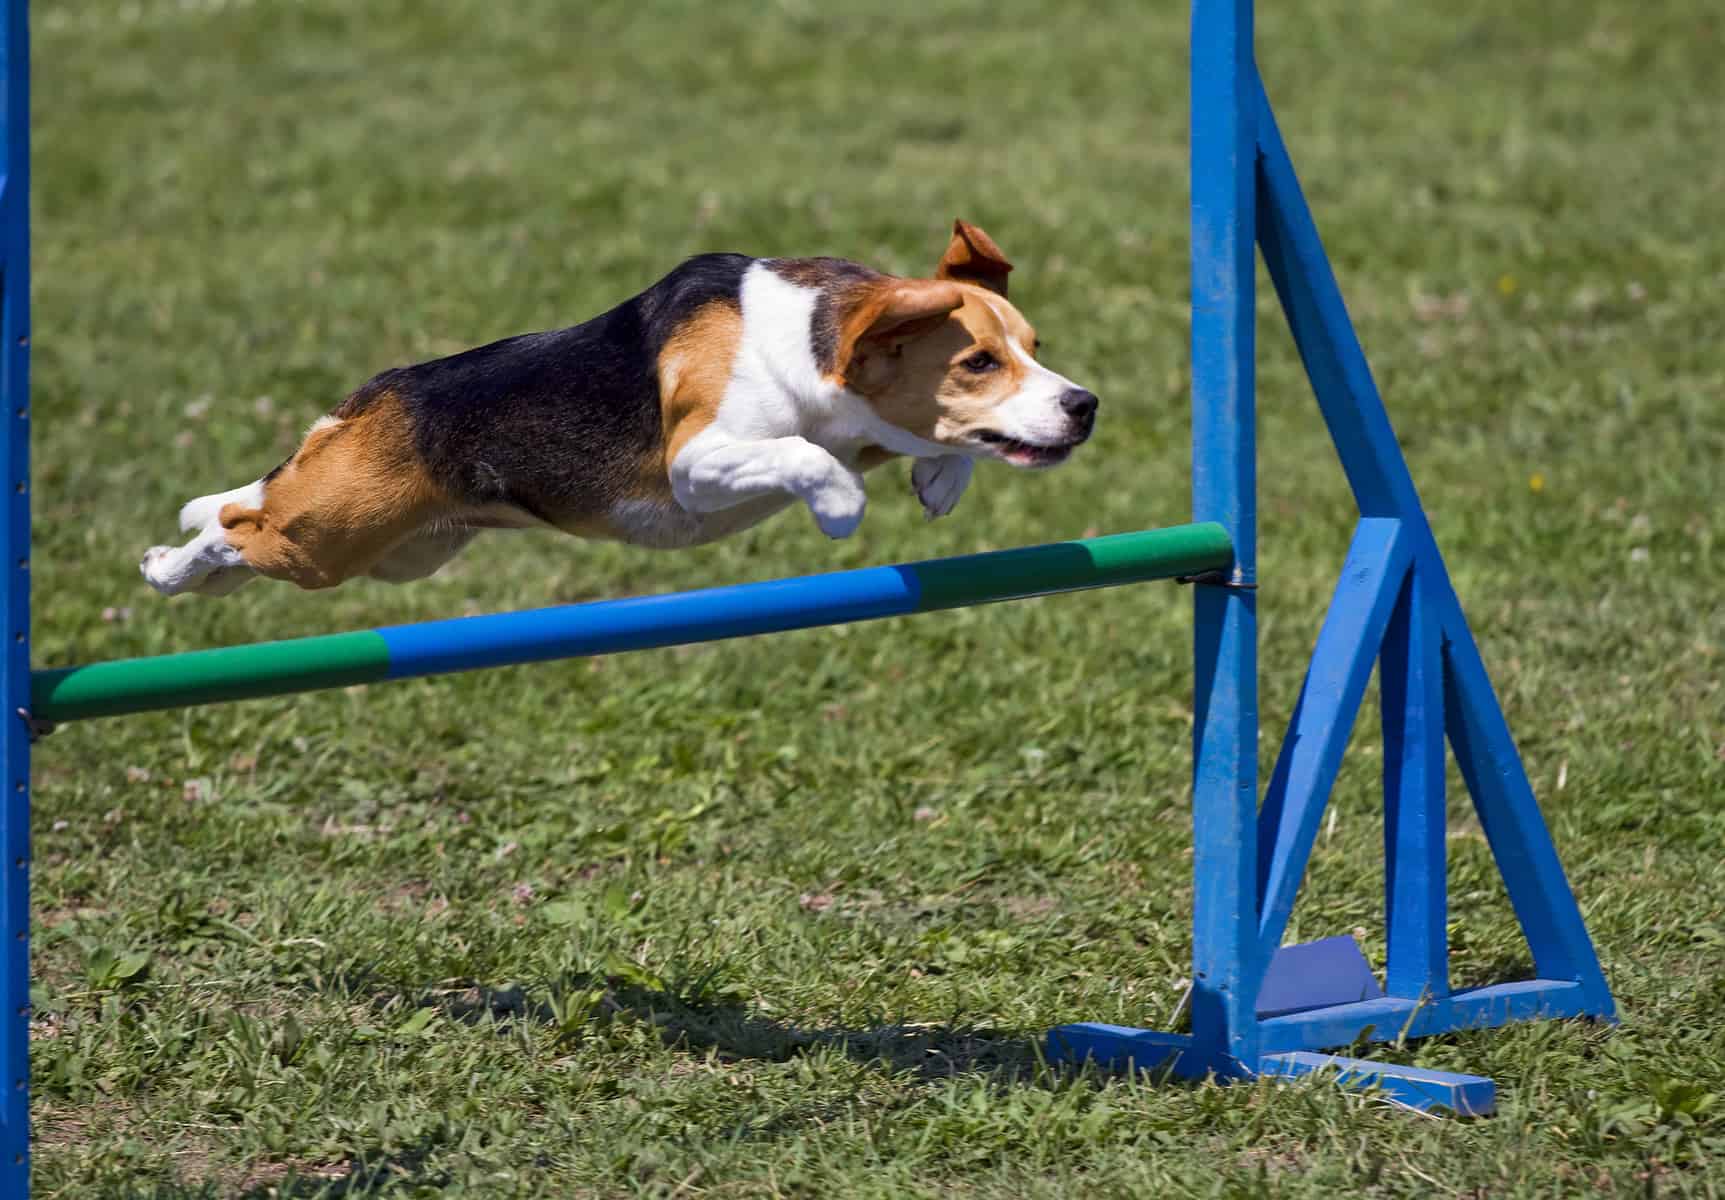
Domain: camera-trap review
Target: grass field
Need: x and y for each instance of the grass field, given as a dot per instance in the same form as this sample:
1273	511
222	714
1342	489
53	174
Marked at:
787	917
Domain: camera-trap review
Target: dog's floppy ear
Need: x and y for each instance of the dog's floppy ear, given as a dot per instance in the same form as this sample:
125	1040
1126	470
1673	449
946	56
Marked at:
972	257
888	317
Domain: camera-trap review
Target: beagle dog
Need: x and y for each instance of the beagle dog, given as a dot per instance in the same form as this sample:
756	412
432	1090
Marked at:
729	390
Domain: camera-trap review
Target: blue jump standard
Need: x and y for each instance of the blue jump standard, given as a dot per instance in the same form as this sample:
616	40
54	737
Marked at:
1259	1008
1287	1040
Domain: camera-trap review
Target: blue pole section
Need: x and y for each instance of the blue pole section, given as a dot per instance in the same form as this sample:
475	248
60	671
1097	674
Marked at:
15	663
771	606
644	622
1225	968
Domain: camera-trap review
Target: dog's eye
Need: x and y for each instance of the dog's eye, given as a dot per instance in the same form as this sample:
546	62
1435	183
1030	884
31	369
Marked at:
982	360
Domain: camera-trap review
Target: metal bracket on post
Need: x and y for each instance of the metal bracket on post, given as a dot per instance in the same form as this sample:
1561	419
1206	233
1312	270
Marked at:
37	729
1220	579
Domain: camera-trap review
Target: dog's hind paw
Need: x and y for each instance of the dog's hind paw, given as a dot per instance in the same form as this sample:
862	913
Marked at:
157	572
207	565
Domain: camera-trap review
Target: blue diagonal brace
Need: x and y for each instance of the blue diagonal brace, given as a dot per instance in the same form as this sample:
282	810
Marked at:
1508	813
1378	474
1341	377
1323	719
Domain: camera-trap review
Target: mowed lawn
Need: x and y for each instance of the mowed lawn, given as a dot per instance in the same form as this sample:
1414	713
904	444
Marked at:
788	917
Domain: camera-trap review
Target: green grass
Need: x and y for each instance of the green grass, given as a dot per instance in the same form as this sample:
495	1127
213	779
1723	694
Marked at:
787	917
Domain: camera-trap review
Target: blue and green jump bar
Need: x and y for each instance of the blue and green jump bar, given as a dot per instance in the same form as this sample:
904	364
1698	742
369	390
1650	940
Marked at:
608	626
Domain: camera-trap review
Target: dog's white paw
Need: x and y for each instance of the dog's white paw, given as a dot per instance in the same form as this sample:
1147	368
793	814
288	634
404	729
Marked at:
939	482
205	564
158	572
839	505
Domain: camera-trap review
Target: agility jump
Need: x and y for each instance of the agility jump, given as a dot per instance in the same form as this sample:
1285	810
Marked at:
1257	1007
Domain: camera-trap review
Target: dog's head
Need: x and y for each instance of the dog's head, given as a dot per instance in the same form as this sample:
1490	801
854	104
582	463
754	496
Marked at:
951	361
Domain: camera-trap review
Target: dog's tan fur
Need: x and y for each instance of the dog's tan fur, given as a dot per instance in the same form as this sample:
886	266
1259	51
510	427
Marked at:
919	383
694	368
354	491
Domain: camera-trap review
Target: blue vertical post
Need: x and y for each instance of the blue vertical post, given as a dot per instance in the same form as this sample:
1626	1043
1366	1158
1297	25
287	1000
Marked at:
1416	885
1225	968
15	595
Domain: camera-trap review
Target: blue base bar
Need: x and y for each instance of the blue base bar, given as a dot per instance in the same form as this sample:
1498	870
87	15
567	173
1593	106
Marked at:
1414	1087
1391	1017
1288	1041
1118	1048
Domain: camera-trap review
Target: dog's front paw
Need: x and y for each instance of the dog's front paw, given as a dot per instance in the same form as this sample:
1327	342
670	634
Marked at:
838	507
939	482
156	568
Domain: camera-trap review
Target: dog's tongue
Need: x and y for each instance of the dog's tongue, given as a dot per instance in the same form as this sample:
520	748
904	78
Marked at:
1037	456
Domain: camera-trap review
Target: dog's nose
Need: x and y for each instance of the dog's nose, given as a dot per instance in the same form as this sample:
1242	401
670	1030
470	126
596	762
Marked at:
1079	404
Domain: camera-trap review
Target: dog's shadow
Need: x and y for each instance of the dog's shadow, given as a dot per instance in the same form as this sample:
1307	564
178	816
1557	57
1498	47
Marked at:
691	1021
926	1052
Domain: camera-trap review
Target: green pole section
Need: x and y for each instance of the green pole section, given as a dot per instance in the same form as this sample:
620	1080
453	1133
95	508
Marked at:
208	676
1072	566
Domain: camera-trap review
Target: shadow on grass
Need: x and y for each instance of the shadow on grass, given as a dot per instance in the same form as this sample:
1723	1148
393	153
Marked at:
927	1052
691	1022
724	1024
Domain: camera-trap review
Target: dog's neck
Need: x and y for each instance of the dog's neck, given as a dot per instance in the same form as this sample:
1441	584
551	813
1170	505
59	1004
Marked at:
777	371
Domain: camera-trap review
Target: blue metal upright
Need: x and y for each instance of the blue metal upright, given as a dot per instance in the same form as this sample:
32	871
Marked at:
1258	1007
15	595
1225	962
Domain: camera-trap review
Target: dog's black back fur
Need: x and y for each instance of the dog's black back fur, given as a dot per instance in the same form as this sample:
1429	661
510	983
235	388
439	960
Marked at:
554	423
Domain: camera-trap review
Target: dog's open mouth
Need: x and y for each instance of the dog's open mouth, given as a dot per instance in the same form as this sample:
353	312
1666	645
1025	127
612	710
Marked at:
1024	454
